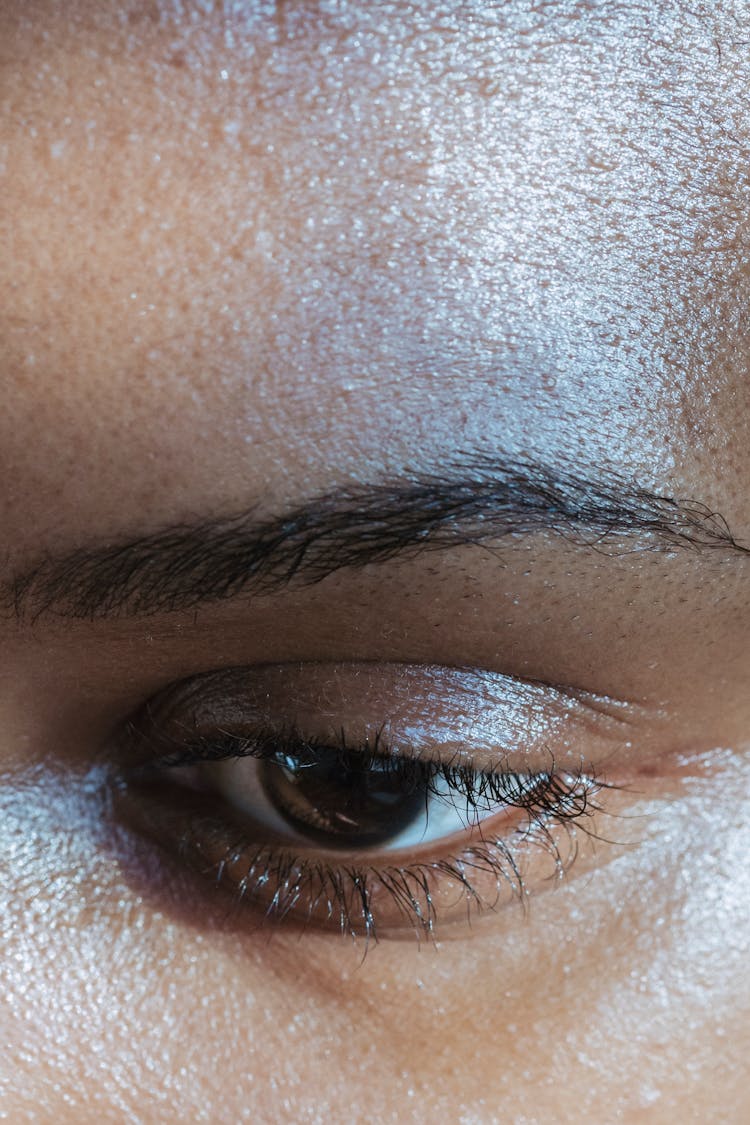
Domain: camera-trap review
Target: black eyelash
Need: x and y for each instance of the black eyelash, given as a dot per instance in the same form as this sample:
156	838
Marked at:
343	894
480	788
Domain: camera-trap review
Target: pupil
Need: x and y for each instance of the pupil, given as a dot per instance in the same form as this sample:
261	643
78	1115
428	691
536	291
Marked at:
336	800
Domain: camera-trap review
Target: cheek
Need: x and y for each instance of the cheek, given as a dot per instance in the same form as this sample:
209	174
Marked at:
109	990
644	963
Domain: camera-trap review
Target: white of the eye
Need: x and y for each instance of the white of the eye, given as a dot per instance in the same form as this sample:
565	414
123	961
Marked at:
446	812
237	781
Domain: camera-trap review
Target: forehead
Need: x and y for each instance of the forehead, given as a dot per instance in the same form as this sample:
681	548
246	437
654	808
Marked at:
322	238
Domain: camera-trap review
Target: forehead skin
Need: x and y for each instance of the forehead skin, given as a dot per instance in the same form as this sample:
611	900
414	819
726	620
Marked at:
320	239
253	250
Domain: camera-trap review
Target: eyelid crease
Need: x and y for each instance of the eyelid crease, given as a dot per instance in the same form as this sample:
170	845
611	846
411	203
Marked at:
432	710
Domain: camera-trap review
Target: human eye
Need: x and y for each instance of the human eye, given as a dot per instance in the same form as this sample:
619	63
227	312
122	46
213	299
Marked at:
371	801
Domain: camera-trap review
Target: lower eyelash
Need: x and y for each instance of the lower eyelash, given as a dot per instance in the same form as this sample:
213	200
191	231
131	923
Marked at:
313	891
359	897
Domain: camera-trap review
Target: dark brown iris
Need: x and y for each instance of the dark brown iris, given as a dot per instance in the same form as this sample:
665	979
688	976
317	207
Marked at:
344	800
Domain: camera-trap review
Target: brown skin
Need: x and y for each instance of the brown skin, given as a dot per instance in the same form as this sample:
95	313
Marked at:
249	260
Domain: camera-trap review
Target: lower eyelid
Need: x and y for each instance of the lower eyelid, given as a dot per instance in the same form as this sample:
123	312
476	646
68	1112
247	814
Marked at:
419	892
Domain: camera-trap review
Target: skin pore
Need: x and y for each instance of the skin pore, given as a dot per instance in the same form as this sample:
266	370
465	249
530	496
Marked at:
257	254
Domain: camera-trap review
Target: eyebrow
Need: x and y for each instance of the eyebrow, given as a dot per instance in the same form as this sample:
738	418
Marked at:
472	501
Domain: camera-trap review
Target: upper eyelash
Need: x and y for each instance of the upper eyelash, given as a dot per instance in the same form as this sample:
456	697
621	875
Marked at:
479	787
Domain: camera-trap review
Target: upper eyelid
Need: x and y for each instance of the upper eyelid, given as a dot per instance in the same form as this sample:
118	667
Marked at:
240	678
500	683
522	719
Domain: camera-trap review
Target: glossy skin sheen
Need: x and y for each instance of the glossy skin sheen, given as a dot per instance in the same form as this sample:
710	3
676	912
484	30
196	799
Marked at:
254	252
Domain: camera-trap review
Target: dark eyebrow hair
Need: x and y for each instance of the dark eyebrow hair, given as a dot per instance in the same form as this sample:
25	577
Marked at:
476	500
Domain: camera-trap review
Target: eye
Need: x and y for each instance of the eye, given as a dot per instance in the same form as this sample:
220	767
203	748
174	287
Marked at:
334	797
360	834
